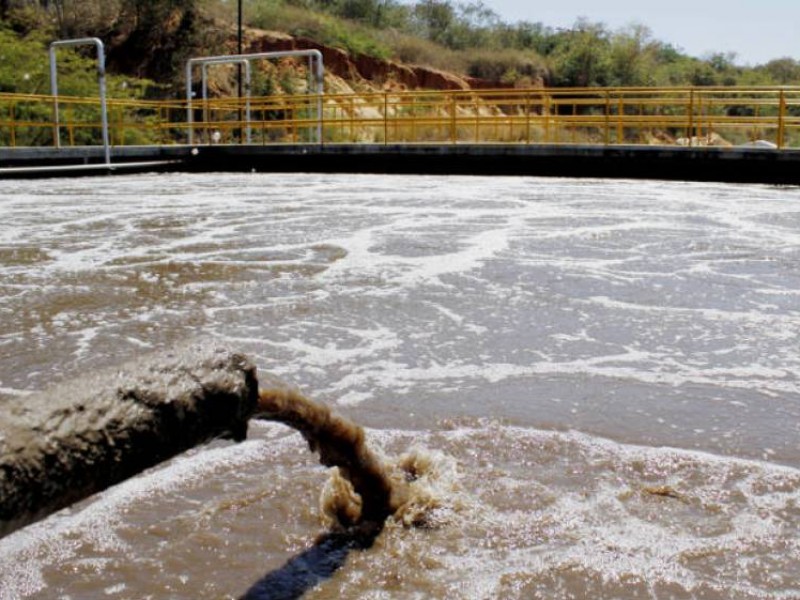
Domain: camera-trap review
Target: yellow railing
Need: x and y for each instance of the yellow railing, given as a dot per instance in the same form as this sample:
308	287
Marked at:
614	116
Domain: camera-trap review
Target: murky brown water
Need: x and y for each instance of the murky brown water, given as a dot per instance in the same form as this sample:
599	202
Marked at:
551	352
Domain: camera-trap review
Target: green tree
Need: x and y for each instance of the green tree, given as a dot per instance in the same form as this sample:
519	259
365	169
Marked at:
632	57
783	71
581	57
433	19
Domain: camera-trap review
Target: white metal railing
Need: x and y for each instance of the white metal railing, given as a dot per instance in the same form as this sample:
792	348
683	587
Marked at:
315	65
101	79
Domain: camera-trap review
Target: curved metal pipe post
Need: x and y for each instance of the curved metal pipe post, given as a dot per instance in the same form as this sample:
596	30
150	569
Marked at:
319	73
101	79
320	90
247	79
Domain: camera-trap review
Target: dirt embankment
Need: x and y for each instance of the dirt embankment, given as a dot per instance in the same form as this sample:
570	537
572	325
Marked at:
360	68
154	54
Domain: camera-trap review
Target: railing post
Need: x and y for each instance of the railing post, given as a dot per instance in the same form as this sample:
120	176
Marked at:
413	113
608	119
453	130
120	126
704	103
321	118
546	110
70	128
691	117
352	119
527	118
385	118
781	119
247	111
13	114
189	113
477	120
756	117
574	122
160	120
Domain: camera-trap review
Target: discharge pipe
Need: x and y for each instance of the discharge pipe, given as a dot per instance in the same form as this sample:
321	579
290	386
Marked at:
62	445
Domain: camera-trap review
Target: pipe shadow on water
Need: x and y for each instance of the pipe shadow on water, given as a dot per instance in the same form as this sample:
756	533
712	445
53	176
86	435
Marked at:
312	566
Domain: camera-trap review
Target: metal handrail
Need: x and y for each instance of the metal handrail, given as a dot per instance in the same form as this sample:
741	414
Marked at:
613	116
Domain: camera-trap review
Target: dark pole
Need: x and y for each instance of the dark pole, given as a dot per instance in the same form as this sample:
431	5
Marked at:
239	45
240	26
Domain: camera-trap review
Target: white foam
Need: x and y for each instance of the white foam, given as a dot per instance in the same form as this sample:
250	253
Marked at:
605	526
25	552
645	368
10	391
436	284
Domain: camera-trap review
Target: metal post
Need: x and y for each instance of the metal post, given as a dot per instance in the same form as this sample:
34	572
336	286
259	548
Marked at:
477	119
453	129
247	92
527	118
189	115
101	80
546	110
54	94
239	68
781	119
204	102
247	78
319	75
13	125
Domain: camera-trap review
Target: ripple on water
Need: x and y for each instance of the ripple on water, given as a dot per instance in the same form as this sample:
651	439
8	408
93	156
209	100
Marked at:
652	313
517	513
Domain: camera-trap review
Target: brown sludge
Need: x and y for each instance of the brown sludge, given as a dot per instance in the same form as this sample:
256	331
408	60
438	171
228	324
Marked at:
342	444
64	444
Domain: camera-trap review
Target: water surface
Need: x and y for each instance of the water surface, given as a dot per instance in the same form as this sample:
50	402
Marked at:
561	350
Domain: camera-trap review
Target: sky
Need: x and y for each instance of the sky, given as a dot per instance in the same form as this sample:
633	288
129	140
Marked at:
756	30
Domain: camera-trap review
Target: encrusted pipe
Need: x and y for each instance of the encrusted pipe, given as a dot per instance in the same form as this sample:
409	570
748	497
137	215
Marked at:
62	445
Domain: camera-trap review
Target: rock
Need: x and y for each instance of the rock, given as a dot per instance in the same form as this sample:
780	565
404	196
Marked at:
712	139
64	444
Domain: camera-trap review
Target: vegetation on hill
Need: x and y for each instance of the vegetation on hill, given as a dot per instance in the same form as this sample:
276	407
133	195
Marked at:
471	38
152	38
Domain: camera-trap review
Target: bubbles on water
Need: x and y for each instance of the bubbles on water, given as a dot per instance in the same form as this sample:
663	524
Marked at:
664	313
564	515
433	497
496	511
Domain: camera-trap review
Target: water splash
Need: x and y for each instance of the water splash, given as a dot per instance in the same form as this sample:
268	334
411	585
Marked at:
363	491
340	443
